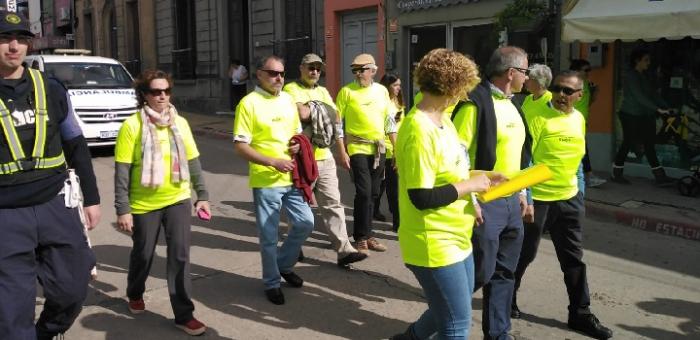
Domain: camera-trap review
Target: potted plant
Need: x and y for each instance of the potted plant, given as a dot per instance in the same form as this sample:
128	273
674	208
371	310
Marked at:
521	15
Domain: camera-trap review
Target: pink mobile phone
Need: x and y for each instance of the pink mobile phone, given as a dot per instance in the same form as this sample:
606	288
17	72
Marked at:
203	215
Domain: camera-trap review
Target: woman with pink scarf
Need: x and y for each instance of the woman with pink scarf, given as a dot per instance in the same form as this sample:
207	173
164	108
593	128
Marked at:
157	164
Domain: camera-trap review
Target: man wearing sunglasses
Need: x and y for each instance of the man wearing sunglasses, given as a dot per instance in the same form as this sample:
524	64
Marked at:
326	187
558	141
266	120
43	237
495	131
365	108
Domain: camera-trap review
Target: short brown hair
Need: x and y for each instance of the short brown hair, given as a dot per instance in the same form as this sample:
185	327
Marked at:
444	72
143	83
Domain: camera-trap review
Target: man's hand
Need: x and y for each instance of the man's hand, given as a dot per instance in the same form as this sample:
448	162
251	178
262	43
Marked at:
126	223
92	216
523	204
344	160
282	165
529	216
477	213
293	148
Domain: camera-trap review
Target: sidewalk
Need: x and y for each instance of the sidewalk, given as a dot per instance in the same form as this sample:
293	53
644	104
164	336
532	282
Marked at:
641	205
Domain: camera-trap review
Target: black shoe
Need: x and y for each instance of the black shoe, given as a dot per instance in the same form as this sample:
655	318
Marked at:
407	335
293	279
515	311
379	216
588	324
301	256
351	258
275	296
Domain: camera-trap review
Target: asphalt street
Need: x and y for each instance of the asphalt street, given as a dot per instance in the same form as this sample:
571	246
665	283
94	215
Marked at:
643	285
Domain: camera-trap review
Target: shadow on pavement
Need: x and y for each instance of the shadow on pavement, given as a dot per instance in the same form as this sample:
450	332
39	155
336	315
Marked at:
117	327
687	310
242	297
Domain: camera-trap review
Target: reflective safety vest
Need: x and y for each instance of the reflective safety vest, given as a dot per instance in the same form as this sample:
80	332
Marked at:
20	162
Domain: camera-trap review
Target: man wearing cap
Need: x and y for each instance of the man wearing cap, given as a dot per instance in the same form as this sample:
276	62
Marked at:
326	188
365	108
43	237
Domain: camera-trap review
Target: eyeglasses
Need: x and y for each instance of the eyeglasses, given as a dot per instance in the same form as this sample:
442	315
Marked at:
274	74
158	92
567	90
586	70
7	38
525	71
359	70
314	68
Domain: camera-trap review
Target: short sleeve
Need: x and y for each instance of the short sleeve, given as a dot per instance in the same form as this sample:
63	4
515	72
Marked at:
417	162
341	102
243	124
126	140
328	99
190	146
389	111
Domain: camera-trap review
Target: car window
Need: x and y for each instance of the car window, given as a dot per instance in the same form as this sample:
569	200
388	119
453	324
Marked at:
89	75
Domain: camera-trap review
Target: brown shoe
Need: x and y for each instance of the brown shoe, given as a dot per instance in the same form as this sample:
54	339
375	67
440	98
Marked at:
362	247
373	244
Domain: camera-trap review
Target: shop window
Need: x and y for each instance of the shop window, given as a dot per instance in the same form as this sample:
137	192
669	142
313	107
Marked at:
184	54
674	79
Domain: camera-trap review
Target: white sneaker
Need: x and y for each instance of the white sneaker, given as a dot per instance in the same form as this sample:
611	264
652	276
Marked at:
594	181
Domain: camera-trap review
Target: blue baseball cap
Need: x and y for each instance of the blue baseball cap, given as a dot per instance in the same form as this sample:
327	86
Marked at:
11	22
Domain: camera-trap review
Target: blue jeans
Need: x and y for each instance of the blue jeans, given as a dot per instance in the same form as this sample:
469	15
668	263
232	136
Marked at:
448	290
268	203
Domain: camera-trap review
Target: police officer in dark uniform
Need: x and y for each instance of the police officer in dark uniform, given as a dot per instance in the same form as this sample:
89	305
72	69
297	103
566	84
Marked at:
42	238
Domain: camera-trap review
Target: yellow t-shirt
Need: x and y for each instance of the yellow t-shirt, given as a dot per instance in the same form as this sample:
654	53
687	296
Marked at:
390	147
128	150
429	156
267	122
558	141
510	133
302	94
532	107
366	111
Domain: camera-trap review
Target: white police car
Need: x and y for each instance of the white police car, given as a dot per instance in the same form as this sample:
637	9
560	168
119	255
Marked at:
99	88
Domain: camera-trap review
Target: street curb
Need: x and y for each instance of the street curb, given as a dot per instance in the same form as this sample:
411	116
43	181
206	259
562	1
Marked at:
643	221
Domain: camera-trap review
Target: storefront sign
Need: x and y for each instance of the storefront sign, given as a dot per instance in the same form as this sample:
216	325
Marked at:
412	5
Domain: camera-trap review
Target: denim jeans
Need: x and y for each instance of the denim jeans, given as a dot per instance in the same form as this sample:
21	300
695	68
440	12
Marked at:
268	203
448	290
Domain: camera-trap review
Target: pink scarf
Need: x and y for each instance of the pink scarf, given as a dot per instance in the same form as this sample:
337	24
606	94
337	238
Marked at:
152	172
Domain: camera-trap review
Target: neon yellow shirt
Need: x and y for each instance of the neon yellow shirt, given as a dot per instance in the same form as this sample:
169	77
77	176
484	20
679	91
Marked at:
532	107
390	147
510	133
302	94
429	156
267	122
583	105
128	150
558	141
366	111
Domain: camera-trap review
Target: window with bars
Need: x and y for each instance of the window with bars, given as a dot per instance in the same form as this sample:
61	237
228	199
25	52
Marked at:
184	54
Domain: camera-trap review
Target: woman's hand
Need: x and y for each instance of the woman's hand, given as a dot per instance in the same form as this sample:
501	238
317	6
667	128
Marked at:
126	223
479	183
204	205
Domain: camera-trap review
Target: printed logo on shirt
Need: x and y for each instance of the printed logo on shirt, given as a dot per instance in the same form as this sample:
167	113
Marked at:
511	125
22	118
566	139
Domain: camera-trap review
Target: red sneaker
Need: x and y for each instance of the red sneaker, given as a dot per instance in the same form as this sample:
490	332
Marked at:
192	327
137	306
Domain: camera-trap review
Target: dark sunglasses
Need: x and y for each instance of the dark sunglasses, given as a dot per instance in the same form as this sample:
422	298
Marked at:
314	68
525	71
567	90
359	69
22	39
157	92
273	73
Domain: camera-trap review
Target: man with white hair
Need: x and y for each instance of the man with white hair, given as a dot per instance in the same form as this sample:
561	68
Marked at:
365	108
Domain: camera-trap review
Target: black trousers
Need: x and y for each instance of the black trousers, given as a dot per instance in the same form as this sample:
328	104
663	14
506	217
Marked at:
175	220
637	130
237	93
47	242
367	180
563	221
390	185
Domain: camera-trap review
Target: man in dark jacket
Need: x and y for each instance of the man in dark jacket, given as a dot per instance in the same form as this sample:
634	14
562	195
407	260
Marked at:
496	134
42	234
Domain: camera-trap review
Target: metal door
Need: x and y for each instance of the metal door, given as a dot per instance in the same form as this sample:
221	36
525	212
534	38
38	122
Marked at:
359	36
